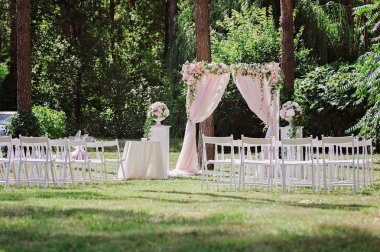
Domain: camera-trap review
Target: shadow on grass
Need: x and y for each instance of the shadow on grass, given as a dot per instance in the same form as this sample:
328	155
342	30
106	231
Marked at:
346	207
200	238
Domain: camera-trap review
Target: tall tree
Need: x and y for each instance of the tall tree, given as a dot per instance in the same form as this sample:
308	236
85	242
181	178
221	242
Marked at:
203	53
24	68
349	4
287	44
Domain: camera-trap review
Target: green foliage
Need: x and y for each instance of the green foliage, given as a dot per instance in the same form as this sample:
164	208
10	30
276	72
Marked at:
99	71
42	121
3	71
368	93
248	35
52	123
371	12
25	125
326	109
327	30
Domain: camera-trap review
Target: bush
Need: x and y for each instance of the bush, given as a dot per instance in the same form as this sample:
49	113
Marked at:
326	108
51	122
25	125
42	121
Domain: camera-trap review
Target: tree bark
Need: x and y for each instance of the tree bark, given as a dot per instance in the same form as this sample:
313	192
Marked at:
287	45
113	32
349	4
203	53
24	69
171	34
132	3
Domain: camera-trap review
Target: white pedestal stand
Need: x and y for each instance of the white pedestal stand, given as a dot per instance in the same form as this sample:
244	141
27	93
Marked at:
161	134
286	133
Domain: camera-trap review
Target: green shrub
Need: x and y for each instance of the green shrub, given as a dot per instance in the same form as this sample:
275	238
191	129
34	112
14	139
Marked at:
25	125
326	109
42	121
51	122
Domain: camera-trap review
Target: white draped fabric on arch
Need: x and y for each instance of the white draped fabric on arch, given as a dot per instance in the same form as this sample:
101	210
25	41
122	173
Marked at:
206	85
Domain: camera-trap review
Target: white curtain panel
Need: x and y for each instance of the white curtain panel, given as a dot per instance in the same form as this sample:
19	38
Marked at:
257	94
209	92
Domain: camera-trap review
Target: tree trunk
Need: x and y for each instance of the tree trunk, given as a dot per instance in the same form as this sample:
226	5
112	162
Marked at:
203	53
132	2
24	70
349	4
287	45
171	34
113	32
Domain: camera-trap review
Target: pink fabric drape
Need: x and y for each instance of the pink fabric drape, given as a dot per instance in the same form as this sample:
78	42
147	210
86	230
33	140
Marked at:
208	95
257	94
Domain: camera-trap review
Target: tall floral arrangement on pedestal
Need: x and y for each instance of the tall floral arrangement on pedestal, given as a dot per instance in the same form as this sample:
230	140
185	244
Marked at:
158	112
290	110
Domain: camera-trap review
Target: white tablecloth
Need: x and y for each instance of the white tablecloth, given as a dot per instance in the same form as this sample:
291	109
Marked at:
143	160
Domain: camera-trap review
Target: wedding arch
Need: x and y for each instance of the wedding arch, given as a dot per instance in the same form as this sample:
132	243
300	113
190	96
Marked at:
206	83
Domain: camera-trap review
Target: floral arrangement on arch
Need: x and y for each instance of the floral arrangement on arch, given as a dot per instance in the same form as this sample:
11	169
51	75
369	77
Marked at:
193	72
290	110
270	71
158	111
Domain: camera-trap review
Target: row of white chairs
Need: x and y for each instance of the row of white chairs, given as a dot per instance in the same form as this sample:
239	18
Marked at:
43	161
324	164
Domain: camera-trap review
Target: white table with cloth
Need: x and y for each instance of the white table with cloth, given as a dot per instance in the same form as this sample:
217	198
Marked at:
143	160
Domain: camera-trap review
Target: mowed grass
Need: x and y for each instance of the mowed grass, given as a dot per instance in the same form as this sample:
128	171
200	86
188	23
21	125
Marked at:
175	215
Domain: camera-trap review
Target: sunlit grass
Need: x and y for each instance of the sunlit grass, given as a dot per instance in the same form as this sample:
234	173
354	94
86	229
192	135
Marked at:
176	215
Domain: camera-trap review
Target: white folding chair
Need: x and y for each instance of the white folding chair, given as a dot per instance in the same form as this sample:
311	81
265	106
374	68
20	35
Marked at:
257	162
221	176
34	155
339	166
114	166
297	159
96	161
78	160
5	159
369	160
59	160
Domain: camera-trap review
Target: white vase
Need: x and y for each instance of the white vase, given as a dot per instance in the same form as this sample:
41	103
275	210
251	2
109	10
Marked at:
158	120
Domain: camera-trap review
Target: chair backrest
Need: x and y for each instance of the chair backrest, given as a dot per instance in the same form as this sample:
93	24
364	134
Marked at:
297	141
76	143
5	140
59	149
257	141
34	141
258	148
110	146
297	149
343	141
98	147
77	150
339	148
113	143
34	147
6	147
218	140
221	142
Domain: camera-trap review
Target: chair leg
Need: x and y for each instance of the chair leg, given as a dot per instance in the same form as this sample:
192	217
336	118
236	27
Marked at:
283	178
46	175
202	176
7	176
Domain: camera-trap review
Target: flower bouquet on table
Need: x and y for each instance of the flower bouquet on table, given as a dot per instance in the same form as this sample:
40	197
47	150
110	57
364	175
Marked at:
290	110
158	112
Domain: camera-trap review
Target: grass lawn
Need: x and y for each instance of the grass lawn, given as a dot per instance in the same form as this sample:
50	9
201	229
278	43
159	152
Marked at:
176	215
